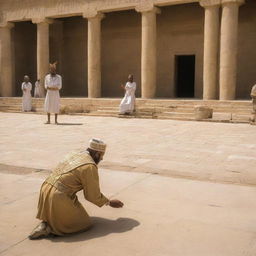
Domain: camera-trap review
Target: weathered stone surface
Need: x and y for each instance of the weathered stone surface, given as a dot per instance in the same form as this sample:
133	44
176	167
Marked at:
203	112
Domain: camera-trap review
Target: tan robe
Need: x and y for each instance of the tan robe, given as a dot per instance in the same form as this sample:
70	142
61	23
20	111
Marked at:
58	204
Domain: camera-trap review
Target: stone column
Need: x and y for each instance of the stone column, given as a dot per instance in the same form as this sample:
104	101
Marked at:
42	47
94	53
148	50
228	48
6	60
211	47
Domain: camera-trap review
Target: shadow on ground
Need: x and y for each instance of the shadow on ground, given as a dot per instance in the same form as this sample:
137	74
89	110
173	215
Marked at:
70	124
101	227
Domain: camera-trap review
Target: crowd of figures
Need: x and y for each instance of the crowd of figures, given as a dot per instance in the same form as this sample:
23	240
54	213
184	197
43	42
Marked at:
53	84
26	88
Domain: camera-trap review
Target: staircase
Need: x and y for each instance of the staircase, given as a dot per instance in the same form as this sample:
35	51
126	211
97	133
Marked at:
223	111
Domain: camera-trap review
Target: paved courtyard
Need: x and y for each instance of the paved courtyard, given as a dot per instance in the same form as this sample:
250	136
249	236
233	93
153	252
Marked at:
188	187
198	150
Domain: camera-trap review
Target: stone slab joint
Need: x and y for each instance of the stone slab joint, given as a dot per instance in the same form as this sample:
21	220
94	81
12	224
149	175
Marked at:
147	7
93	13
42	20
210	3
239	2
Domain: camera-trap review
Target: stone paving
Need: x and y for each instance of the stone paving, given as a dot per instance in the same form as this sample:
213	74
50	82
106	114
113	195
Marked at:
203	151
192	216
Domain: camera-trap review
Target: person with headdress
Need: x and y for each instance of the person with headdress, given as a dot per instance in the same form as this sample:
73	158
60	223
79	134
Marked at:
128	102
53	84
26	88
253	95
58	207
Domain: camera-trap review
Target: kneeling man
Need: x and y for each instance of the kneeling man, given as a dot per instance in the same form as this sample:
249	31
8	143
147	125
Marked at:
58	207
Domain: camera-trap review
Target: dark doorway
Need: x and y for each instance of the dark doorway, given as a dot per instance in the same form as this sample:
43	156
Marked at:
24	34
185	75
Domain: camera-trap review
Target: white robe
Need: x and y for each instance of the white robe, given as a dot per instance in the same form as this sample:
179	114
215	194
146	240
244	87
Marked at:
127	103
52	99
26	98
37	90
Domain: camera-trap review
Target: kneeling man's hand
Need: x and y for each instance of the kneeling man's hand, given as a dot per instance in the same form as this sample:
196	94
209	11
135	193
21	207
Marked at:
115	203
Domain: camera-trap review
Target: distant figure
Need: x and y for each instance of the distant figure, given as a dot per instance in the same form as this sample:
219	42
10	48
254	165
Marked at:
53	84
37	89
26	88
253	95
128	102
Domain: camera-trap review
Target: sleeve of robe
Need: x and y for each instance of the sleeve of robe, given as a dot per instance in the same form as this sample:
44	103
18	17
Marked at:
22	86
60	83
90	180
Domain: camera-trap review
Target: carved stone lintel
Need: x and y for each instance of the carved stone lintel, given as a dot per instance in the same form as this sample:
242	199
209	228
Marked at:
92	14
147	7
239	2
42	20
8	25
209	3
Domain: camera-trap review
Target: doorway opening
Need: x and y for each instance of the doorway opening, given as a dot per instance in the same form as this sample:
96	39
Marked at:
185	76
24	35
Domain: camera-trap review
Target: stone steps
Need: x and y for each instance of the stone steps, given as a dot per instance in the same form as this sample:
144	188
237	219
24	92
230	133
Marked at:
230	111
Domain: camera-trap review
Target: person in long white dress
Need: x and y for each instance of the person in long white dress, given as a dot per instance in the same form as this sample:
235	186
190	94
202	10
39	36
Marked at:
26	88
128	102
53	84
37	89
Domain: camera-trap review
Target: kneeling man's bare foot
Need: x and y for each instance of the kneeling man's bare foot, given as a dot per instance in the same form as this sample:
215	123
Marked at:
42	230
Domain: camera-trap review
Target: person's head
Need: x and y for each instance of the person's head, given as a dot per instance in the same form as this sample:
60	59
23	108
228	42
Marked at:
26	79
130	78
97	149
52	68
38	80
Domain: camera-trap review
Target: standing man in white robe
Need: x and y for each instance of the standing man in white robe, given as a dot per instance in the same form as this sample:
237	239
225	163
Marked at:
37	89
53	83
128	102
26	88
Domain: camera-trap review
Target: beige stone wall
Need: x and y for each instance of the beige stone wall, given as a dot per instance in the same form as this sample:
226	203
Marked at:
121	44
246	50
74	58
179	32
27	9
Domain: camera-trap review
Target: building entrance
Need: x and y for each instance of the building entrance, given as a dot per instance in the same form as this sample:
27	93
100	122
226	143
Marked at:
185	76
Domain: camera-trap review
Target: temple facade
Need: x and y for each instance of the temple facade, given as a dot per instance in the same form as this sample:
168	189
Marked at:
174	48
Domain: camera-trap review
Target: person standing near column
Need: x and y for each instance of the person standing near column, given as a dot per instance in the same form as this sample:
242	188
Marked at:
53	83
26	88
128	102
37	89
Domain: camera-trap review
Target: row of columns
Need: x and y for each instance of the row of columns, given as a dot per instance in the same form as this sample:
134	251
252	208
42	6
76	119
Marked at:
220	46
224	38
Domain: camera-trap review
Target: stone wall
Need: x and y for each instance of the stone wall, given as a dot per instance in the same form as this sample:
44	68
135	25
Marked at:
24	40
179	32
246	50
121	50
74	59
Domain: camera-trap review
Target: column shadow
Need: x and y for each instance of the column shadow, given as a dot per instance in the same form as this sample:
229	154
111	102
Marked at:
101	227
